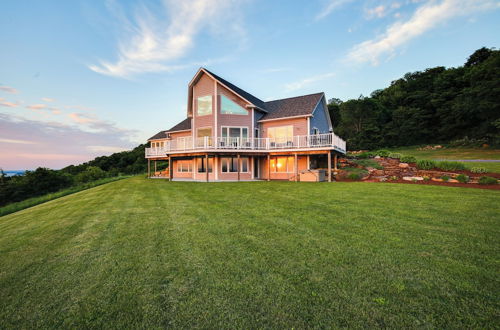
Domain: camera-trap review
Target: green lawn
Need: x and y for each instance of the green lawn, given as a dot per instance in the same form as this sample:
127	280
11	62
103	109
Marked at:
140	253
457	154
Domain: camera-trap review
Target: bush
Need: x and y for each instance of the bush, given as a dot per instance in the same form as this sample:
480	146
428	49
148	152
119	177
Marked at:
487	180
445	178
395	155
354	176
462	178
367	154
369	163
478	170
383	153
91	173
450	166
425	164
408	159
426	178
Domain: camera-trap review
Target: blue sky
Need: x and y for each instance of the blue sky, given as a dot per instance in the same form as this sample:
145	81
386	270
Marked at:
80	79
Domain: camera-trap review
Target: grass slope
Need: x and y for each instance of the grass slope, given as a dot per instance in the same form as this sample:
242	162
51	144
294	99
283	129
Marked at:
148	253
457	154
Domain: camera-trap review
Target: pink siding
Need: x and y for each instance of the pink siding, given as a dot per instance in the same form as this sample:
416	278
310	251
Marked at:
180	134
234	175
204	86
299	125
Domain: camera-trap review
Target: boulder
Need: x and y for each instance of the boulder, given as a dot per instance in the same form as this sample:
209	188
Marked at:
413	178
437	179
378	172
377	157
453	181
404	165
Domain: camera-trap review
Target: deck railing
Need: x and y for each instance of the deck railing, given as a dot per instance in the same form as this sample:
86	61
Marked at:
328	140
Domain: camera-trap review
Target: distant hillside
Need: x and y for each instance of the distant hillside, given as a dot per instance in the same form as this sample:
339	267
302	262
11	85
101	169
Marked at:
438	105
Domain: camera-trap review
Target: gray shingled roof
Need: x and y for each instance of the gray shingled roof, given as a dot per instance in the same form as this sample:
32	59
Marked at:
293	106
256	101
182	126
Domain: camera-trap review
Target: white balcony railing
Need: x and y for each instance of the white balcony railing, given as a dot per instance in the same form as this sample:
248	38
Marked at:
329	140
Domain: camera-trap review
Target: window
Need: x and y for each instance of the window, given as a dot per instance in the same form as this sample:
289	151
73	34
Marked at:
280	134
202	132
282	165
315	131
230	164
202	165
235	132
204	105
184	166
229	107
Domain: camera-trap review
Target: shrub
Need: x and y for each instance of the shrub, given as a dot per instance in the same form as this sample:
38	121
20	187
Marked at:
425	164
450	166
91	173
478	170
462	178
393	178
487	180
445	178
408	159
383	153
426	178
354	176
369	163
366	154
395	155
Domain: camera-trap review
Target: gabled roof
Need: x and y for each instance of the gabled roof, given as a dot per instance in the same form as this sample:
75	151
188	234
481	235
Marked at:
249	97
182	126
291	107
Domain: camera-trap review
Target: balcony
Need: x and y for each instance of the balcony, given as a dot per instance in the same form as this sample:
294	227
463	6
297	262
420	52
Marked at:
328	141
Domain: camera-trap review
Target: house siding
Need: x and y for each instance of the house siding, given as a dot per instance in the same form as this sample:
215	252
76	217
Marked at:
319	119
204	86
299	125
232	120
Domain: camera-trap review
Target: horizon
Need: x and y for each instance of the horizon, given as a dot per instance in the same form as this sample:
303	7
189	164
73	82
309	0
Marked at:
80	80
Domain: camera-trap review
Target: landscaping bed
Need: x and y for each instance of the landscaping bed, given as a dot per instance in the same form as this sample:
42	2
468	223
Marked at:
383	166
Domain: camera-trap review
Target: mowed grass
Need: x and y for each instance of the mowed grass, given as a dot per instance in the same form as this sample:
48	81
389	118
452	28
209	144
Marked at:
457	154
141	253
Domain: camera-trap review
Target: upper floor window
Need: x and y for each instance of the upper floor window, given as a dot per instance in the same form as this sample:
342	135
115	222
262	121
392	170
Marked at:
315	131
229	107
204	105
280	133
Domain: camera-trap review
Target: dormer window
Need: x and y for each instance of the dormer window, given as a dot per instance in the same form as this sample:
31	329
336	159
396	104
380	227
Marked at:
204	105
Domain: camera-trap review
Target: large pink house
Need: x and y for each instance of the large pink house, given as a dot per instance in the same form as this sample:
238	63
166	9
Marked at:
230	134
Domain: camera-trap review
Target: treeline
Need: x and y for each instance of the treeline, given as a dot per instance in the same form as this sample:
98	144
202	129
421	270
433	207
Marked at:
439	105
43	180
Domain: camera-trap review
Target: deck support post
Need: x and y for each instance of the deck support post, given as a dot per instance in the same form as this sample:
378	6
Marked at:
329	155
155	167
170	169
239	166
335	160
268	167
206	164
296	168
149	168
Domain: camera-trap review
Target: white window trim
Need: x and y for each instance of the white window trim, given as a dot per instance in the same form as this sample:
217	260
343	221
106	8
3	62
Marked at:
293	170
221	164
240	127
197	105
190	166
232	114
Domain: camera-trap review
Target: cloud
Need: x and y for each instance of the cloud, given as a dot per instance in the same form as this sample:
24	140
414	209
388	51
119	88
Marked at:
8	104
8	89
47	99
36	106
379	12
307	81
274	70
57	144
93	122
154	41
425	18
330	7
16	141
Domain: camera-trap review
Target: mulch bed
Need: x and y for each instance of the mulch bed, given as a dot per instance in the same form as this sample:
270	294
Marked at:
433	183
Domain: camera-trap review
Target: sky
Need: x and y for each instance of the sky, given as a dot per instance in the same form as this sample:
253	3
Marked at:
80	79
